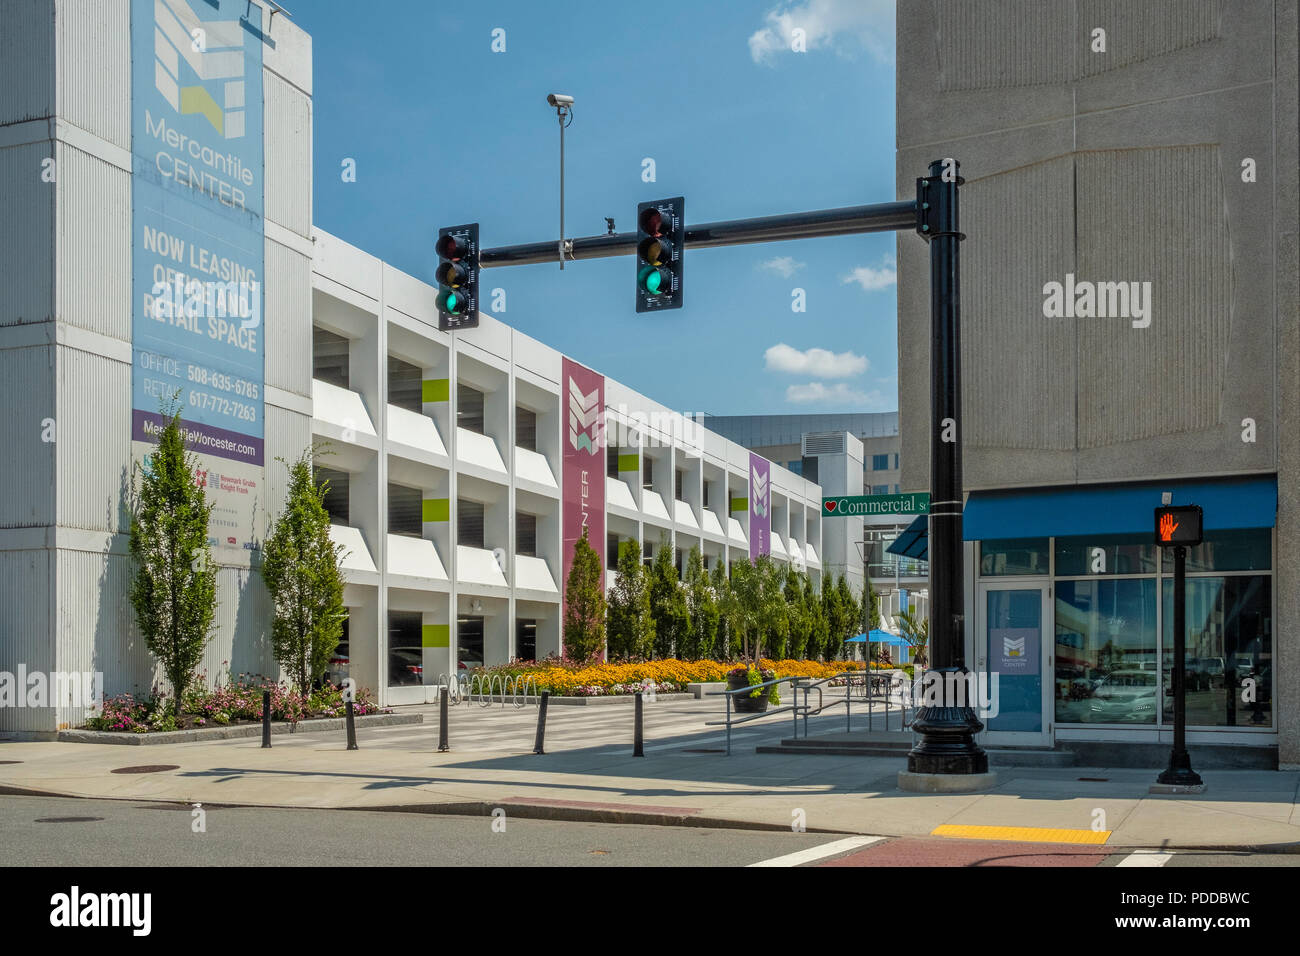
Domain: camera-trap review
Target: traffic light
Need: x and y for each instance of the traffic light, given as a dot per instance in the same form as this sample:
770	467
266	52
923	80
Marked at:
457	276
661	238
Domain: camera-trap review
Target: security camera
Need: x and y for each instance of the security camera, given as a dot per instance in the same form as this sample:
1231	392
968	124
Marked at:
559	99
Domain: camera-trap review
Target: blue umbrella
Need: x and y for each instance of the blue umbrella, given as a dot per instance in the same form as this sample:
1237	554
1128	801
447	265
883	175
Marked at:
878	636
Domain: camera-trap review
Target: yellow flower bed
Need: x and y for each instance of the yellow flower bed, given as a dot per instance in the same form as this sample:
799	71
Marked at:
567	682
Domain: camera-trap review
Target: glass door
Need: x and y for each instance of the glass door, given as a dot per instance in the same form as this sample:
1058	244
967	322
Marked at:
1014	664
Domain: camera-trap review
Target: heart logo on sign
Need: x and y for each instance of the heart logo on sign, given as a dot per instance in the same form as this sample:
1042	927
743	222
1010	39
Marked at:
830	506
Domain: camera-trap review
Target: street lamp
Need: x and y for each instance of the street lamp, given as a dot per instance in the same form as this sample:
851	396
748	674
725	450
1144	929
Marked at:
563	104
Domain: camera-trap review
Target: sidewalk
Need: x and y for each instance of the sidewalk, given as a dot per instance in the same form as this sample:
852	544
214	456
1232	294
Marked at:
839	794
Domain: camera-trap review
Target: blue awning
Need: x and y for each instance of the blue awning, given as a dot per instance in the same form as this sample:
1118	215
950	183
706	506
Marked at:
1115	509
914	541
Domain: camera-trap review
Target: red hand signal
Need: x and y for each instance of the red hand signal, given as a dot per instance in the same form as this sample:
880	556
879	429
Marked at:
1167	527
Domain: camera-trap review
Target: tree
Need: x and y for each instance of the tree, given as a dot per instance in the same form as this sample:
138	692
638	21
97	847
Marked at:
631	628
873	602
584	610
817	628
852	613
745	588
667	603
174	589
916	631
797	612
730	619
701	609
300	565
771	624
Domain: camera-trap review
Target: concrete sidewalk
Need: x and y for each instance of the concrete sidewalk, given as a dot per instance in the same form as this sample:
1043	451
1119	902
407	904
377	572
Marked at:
840	794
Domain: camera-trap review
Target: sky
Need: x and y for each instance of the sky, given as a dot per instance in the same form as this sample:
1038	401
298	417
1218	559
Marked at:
442	130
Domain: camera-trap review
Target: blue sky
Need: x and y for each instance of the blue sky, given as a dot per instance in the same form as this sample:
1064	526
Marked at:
443	130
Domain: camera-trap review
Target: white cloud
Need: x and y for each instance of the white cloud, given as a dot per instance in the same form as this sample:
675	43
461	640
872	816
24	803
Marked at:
827	23
873	279
784	266
819	363
841	393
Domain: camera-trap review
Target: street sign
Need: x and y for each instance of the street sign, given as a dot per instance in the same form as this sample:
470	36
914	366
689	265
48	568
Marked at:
858	506
1178	525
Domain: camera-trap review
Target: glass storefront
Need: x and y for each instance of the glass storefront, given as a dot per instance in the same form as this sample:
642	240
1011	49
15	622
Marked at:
1113	600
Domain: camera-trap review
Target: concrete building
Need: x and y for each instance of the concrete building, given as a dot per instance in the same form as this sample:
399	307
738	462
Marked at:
1129	327
133	161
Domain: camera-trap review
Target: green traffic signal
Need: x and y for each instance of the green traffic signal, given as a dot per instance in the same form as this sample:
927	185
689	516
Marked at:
655	280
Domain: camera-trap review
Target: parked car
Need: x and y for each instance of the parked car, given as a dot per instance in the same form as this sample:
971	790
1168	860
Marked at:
405	666
1126	696
336	671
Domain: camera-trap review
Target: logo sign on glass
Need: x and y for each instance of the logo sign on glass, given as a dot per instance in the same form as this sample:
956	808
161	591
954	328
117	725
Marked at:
1178	525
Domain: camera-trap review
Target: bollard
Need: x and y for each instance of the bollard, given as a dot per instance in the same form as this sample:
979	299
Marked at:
541	724
638	742
266	718
443	746
352	730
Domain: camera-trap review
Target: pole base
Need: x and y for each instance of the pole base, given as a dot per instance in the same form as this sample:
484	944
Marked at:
1179	772
948	742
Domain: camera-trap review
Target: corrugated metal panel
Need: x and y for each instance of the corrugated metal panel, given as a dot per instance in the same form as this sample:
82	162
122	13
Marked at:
288	319
26	61
1155	215
1141	31
27	462
96	627
1018	43
287	435
1017	247
241	642
26	235
288	155
94	243
25	629
94	439
94	57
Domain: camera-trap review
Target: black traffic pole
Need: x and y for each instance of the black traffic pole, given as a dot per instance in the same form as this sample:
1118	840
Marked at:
266	718
1179	773
948	731
443	731
638	741
540	741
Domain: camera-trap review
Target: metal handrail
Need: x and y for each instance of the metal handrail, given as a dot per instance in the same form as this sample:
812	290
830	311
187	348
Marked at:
749	689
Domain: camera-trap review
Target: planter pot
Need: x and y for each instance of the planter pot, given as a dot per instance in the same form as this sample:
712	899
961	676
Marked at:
745	704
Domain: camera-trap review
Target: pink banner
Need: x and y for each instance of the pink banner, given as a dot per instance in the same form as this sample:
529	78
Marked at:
583	477
760	506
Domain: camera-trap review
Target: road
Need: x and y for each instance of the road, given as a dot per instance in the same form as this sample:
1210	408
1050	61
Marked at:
58	831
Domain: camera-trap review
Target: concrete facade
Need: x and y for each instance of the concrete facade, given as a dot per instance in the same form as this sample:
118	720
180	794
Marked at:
1169	157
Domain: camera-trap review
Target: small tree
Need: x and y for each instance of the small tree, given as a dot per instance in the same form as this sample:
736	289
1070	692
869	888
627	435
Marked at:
745	593
730	619
173	590
631	629
817	629
584	611
667	602
916	631
300	565
701	609
852	613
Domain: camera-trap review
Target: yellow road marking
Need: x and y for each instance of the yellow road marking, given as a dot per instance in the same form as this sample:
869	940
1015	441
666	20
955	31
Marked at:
1022	834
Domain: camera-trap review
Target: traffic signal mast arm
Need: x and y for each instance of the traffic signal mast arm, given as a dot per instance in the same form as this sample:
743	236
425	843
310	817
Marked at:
847	220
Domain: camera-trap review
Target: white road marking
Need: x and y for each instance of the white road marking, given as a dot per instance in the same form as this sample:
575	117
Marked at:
1146	858
820	852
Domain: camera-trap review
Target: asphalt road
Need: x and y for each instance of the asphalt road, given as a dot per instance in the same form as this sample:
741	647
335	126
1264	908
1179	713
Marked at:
58	831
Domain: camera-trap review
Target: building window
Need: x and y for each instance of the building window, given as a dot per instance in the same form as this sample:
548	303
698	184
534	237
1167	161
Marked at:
1014	556
879	462
896	489
526	428
405	511
469	408
895	459
880	489
526	640
611	551
1107	670
679	482
329	357
469	523
794	467
405	385
336	493
405	648
526	534
706	493
1105	554
469	641
677	561
647	472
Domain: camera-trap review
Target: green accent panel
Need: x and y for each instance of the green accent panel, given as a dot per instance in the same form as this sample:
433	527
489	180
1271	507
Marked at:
435	390
739	504
435	509
630	462
435	635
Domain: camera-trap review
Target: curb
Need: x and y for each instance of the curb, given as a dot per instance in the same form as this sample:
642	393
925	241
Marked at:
615	699
201	734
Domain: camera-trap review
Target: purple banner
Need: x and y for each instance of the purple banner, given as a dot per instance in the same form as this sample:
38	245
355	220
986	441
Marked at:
760	506
583	476
202	439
